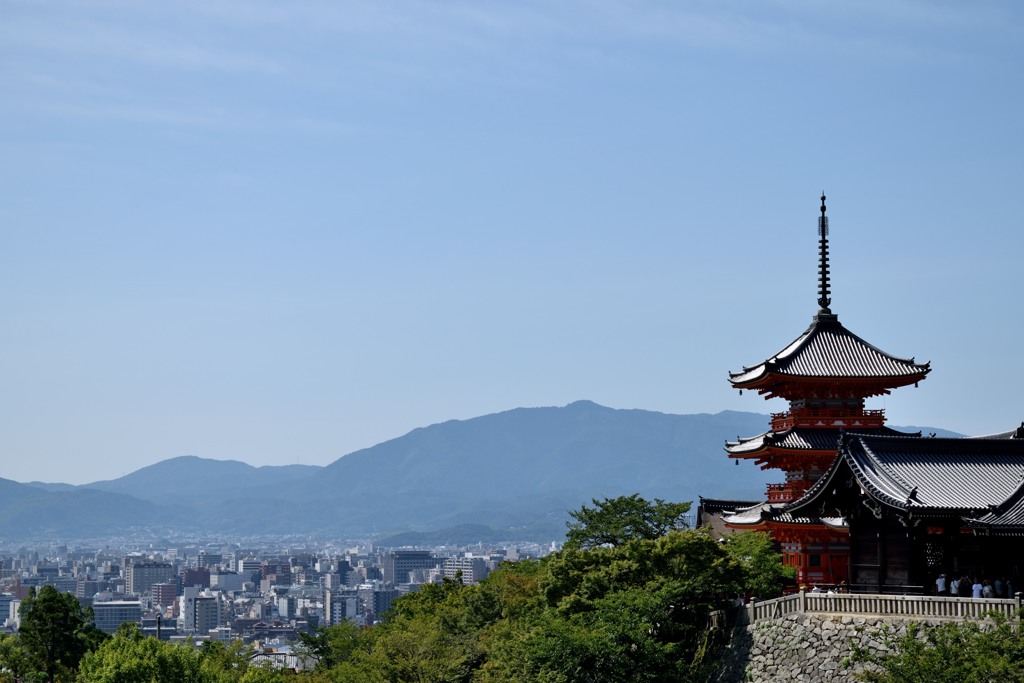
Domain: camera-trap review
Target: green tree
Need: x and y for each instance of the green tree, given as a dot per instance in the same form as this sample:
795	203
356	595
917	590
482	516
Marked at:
56	632
262	674
952	652
432	635
131	657
764	575
632	612
332	645
14	660
613	521
223	663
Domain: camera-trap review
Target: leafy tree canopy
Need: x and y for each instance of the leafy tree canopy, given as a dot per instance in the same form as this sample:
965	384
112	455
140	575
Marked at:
131	657
633	612
764	575
329	646
14	660
951	652
613	521
56	632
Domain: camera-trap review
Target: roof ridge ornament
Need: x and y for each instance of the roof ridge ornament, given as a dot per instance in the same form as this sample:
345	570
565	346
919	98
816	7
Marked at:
823	274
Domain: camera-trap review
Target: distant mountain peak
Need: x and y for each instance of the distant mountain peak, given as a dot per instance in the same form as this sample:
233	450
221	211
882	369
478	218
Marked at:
585	403
518	472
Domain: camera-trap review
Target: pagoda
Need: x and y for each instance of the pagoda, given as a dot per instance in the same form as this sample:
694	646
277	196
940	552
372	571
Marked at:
826	374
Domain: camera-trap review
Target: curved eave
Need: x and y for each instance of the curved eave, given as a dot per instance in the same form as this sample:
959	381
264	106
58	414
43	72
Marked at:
748	517
801	505
833	525
763	448
837	523
1008	514
798	441
827	350
750	444
774	383
775	515
878	482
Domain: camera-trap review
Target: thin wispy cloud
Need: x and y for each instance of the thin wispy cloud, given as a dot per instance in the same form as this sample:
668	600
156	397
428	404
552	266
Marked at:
565	167
127	45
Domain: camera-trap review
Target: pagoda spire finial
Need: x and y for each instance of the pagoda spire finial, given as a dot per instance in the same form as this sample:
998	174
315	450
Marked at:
823	279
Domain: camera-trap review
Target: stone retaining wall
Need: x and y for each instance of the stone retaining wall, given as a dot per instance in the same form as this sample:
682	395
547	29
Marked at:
803	647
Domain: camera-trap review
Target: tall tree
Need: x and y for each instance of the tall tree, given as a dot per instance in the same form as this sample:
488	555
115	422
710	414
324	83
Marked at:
764	574
56	632
613	521
626	613
331	645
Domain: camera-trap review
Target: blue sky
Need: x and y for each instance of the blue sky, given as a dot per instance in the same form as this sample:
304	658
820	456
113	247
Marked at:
280	232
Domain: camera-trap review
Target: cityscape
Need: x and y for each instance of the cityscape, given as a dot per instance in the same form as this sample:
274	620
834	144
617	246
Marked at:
262	593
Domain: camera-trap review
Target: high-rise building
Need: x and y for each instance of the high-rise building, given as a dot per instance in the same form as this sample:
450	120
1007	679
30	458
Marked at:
398	563
164	594
199	611
470	569
139	576
208	612
249	568
209	560
342	604
85	589
5	607
227	581
109	615
199	576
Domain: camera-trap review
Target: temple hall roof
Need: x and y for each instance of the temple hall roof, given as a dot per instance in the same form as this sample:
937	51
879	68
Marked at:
971	478
828	350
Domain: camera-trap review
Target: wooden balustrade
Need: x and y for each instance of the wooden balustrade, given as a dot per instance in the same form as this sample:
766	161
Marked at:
791	490
908	606
825	417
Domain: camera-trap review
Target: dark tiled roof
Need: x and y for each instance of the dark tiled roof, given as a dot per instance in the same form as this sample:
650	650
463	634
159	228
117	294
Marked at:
1017	433
827	349
774	512
799	439
966	477
1008	515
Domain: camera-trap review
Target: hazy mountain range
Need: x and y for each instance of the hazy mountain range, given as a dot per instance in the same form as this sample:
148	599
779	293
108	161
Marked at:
508	475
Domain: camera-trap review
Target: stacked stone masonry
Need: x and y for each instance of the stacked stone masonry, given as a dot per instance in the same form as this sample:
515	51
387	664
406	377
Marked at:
804	648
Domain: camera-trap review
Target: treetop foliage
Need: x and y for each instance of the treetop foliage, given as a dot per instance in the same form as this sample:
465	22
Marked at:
55	633
613	521
969	651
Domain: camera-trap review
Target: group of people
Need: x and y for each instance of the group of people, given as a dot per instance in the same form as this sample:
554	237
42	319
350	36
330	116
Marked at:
840	587
966	587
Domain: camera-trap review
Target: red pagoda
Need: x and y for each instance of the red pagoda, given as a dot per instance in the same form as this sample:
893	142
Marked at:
826	374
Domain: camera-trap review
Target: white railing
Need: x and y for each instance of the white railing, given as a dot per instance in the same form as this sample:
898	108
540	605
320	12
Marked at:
881	605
